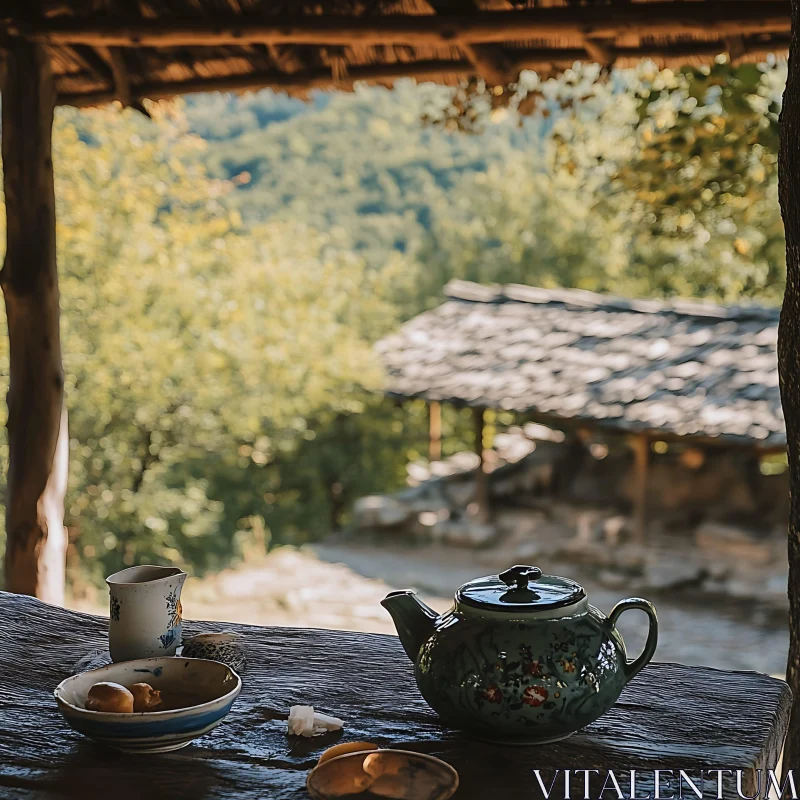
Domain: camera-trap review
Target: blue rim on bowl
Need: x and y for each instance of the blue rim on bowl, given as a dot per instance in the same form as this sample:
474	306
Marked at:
216	684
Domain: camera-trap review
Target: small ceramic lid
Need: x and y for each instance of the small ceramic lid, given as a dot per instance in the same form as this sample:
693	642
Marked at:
522	589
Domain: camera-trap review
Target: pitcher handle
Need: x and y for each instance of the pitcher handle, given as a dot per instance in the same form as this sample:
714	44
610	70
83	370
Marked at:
631	668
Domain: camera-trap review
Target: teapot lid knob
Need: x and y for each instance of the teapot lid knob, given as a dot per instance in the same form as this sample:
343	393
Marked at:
519	576
523	589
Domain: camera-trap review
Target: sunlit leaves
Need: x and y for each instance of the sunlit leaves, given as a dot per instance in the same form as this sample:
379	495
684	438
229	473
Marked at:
194	347
649	182
704	182
220	295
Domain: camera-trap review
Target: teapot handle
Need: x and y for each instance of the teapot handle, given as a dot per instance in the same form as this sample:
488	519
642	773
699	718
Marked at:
631	668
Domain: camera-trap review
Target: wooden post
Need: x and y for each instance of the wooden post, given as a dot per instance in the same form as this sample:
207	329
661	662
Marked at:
789	364
434	431
641	470
481	478
37	429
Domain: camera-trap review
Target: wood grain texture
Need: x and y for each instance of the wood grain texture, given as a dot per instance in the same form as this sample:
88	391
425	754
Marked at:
317	78
653	19
491	62
37	424
789	359
671	716
179	42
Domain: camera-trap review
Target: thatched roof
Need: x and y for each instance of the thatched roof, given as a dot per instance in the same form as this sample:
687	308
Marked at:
103	50
676	369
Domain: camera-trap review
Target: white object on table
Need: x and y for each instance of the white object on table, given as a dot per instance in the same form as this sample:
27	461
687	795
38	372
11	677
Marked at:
304	721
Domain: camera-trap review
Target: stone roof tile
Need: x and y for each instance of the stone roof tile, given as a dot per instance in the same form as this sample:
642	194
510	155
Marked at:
683	368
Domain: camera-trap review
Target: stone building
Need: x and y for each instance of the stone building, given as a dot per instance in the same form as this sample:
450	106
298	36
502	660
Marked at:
667	415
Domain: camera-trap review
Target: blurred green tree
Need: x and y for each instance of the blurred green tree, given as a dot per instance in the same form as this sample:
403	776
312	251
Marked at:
226	269
648	183
196	348
702	185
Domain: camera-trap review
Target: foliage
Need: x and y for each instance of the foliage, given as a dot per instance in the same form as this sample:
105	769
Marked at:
362	167
704	182
651	183
227	267
523	221
199	355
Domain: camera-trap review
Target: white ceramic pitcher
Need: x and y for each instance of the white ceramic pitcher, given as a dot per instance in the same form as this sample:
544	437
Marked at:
145	616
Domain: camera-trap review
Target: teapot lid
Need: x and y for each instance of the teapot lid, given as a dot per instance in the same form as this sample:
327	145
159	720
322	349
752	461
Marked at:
521	588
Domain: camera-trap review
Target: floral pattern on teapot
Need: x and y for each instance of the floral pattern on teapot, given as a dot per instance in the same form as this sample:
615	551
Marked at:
517	674
513	680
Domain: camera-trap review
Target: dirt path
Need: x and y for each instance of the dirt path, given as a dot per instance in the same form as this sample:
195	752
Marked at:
726	633
289	587
340	585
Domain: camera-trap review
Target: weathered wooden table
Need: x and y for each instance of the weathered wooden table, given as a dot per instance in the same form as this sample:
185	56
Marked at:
670	717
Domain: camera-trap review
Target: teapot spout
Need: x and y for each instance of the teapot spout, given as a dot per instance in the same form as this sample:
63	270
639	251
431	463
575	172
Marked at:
412	618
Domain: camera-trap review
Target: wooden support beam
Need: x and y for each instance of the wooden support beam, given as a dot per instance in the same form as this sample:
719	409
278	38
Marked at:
93	63
491	63
543	57
601	51
646	19
114	58
789	365
641	471
735	47
489	60
537	59
434	431
122	84
482	499
421	70
37	431
286	59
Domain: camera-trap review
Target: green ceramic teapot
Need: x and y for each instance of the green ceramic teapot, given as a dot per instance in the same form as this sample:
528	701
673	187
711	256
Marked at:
521	656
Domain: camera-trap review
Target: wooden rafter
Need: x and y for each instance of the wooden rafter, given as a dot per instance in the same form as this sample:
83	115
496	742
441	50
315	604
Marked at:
538	58
423	70
286	59
491	63
535	59
119	80
122	84
600	50
91	61
736	48
645	19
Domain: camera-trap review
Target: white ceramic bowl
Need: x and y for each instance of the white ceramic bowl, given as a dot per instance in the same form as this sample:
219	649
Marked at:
210	685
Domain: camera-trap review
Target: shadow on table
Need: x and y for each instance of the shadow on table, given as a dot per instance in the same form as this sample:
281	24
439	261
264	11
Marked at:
91	770
95	771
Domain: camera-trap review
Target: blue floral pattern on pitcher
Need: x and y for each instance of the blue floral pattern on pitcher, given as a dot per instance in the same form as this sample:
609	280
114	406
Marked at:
151	622
173	609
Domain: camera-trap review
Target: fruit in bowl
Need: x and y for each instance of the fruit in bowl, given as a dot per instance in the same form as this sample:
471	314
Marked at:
183	699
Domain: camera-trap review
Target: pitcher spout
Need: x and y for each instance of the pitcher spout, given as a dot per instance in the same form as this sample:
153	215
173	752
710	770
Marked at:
413	619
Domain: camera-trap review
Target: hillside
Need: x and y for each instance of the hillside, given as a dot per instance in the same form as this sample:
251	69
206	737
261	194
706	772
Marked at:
362	167
221	292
